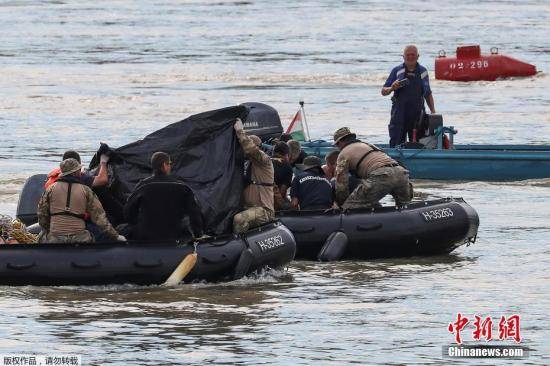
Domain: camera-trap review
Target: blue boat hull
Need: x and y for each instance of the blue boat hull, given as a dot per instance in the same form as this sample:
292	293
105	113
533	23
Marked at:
465	162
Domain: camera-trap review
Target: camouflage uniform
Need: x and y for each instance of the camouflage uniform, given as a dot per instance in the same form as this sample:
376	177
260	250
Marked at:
380	175
250	218
258	196
70	226
82	237
392	180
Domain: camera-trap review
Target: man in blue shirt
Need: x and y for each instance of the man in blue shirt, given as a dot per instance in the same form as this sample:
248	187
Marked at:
410	85
310	190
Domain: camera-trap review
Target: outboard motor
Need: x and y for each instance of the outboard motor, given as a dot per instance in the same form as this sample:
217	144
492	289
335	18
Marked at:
262	121
433	122
29	197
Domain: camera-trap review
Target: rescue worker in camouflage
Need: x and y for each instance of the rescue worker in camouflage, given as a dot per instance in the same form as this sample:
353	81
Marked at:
380	175
258	195
62	206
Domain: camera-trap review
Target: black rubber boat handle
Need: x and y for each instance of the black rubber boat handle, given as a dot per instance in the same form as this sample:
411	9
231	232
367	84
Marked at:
139	264
20	266
369	227
207	260
85	265
303	230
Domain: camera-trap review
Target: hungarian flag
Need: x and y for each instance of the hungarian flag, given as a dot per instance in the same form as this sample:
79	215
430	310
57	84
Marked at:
296	127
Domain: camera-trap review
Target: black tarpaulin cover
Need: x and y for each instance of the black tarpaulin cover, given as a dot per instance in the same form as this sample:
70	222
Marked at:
204	152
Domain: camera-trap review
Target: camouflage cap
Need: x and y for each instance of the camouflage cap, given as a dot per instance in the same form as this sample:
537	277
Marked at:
310	162
341	133
69	166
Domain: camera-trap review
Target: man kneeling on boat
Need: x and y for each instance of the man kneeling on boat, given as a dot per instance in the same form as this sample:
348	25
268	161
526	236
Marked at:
62	207
158	205
380	175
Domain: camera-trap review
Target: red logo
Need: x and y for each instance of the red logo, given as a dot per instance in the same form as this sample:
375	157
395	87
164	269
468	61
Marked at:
483	328
509	328
457	327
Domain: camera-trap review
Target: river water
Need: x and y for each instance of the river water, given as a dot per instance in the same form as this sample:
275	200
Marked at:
74	73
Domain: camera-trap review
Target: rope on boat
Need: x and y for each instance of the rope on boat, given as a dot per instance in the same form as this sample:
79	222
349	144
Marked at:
14	230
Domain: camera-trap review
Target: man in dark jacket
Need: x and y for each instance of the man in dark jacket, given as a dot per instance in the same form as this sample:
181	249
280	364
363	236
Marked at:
310	189
158	205
283	175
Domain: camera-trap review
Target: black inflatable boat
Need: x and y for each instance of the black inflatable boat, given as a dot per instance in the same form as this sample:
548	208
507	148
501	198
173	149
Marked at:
423	228
223	258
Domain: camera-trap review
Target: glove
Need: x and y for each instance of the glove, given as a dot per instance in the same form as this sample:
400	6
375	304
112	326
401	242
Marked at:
202	238
103	149
104	159
238	125
121	238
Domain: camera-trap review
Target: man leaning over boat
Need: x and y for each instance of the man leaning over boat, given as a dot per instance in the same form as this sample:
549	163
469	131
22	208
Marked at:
380	175
62	207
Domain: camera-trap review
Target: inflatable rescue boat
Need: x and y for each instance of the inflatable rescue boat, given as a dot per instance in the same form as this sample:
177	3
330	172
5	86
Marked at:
470	65
219	259
420	229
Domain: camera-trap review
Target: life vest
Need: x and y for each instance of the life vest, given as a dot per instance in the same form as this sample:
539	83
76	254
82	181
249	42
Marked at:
53	176
354	170
67	211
